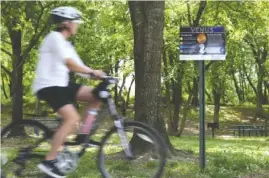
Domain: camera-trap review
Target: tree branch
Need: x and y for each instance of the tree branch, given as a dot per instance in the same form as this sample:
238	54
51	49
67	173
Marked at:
129	91
36	37
39	17
208	65
240	12
33	41
7	52
217	11
6	70
189	12
7	42
3	87
254	51
264	55
249	80
201	9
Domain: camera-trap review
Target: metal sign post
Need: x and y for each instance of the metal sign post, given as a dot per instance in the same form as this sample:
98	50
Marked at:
202	43
202	114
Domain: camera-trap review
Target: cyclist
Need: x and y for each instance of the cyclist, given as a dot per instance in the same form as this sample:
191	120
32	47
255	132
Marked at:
57	57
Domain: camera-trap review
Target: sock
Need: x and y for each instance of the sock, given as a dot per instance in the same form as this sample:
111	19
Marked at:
88	122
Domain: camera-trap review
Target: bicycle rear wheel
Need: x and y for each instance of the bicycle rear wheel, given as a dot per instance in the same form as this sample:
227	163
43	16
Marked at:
147	148
23	145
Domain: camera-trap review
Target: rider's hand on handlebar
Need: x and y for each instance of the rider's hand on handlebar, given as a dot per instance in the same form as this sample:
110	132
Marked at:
98	74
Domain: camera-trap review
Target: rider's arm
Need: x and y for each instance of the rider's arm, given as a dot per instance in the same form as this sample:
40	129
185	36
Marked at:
74	67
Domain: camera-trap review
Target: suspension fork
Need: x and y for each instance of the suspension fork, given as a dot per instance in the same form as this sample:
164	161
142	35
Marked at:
120	128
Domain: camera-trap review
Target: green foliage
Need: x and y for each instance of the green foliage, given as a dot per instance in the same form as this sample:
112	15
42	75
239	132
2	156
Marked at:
105	41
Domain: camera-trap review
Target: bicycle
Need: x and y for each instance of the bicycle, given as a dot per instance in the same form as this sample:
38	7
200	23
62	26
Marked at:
125	134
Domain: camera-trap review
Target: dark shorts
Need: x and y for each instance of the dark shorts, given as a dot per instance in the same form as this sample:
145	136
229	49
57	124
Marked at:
58	97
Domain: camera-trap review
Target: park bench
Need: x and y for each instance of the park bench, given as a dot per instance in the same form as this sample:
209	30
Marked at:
250	130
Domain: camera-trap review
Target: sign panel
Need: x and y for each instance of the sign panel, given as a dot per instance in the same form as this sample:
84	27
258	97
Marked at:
202	43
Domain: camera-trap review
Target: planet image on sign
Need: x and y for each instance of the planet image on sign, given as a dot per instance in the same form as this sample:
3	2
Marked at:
201	38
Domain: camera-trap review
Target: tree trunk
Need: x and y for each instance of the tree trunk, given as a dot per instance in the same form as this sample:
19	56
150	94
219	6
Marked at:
17	87
17	72
195	98
208	96
195	23
126	104
167	92
260	54
243	85
15	23
265	96
176	95
237	88
116	98
217	96
148	21
3	87
177	103
259	94
185	112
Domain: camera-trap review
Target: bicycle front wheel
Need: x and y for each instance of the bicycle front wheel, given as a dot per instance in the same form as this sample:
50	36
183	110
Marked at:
144	155
23	145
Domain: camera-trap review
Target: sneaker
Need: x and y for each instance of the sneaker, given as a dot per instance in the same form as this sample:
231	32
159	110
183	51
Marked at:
50	169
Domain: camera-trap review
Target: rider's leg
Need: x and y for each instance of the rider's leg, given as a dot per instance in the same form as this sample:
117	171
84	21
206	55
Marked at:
70	119
60	99
85	94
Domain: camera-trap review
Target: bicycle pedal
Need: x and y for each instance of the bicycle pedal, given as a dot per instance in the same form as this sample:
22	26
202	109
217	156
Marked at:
94	143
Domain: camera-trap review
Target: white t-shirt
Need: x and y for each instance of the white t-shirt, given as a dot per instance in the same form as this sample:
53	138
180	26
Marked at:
51	69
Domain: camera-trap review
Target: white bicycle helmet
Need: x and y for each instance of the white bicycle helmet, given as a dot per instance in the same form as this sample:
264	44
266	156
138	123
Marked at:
65	13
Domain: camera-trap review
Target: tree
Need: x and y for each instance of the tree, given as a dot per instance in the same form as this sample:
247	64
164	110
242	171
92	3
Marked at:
148	22
175	71
21	18
255	38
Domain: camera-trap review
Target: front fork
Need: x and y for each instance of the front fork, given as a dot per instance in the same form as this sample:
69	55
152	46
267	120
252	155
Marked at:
120	128
123	138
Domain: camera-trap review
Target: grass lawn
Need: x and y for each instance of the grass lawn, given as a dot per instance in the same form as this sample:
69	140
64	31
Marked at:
227	156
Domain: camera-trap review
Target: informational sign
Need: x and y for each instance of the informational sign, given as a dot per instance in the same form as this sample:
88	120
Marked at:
202	43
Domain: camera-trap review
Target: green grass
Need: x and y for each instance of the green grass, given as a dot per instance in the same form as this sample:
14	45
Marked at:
226	158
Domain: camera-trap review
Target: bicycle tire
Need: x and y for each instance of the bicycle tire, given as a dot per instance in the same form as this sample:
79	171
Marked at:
162	149
18	158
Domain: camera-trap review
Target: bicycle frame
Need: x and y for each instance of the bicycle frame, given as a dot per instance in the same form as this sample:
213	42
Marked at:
101	92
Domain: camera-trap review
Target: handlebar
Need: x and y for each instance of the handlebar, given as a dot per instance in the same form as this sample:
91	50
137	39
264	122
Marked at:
107	79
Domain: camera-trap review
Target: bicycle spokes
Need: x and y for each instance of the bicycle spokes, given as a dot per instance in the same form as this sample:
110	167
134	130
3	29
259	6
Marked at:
141	148
23	149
